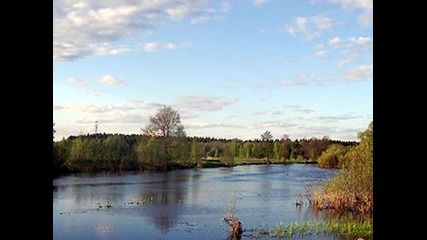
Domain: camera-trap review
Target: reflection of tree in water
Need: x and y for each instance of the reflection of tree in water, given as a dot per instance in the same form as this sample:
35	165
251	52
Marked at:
164	199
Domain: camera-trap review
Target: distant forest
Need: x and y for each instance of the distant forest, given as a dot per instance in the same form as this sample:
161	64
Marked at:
163	145
118	152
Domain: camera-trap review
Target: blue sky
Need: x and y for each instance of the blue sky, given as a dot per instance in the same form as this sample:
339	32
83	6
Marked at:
232	69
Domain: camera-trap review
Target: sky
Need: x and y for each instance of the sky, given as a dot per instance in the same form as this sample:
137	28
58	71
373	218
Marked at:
231	69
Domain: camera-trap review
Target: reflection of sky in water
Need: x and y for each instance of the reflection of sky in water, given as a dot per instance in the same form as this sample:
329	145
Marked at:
184	203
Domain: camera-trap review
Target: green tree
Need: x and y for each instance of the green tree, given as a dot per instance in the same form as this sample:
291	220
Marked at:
61	150
247	146
195	153
267	145
165	123
116	152
228	156
351	189
150	155
180	150
257	151
332	157
96	153
76	160
277	149
216	154
314	147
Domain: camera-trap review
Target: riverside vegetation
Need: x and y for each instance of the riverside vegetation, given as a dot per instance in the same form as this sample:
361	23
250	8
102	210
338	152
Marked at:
163	145
349	192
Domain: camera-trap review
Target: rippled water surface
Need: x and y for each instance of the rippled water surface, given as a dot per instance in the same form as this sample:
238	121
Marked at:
180	204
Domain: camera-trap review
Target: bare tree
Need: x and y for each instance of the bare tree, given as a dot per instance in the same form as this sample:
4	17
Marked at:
165	123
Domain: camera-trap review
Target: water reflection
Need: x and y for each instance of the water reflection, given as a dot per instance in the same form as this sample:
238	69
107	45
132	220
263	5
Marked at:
164	196
179	204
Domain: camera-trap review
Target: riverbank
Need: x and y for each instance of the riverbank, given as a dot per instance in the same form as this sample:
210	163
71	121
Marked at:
216	162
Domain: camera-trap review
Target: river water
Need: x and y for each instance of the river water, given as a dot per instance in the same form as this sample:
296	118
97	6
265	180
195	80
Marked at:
180	204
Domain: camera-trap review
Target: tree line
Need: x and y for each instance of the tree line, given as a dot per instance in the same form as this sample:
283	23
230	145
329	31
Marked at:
164	145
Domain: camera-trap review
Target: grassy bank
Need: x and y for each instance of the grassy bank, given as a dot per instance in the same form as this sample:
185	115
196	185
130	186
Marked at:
216	162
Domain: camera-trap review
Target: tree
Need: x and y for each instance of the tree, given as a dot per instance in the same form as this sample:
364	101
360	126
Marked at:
151	156
195	156
116	152
180	153
286	147
267	145
351	188
278	153
165	123
228	157
267	136
314	147
247	146
332	157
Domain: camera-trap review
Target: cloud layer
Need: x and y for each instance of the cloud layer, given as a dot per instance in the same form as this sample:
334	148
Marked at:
94	27
310	27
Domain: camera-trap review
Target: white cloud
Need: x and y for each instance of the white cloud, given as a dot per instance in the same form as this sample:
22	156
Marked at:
263	113
270	124
110	80
204	125
200	19
98	107
287	62
94	27
115	118
347	49
110	51
298	108
319	46
82	85
204	103
310	27
335	42
367	6
145	105
358	73
321	54
349	59
361	41
156	46
259	2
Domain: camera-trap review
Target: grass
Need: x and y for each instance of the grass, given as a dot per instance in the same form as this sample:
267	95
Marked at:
342	229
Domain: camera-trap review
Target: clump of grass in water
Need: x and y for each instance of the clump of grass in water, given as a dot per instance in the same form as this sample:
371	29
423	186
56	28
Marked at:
235	226
288	230
342	229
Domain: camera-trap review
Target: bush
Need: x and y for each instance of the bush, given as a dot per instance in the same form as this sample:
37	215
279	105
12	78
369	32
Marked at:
332	157
351	189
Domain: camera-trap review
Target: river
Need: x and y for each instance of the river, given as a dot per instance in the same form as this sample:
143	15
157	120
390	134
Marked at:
180	204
